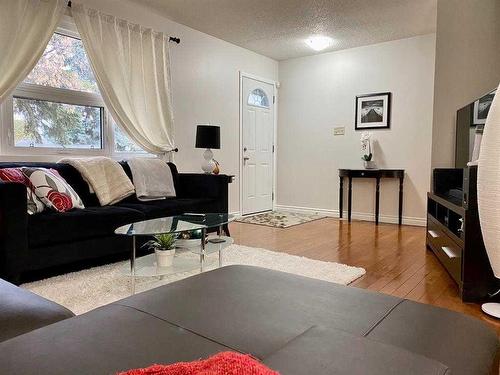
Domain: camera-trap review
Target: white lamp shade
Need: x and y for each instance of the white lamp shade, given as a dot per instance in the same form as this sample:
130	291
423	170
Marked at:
488	185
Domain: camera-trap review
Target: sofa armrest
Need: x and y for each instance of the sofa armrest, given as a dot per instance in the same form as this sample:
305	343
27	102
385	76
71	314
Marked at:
200	185
22	311
13	228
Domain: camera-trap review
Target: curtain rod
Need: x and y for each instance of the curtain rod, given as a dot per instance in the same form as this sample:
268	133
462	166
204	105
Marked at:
172	39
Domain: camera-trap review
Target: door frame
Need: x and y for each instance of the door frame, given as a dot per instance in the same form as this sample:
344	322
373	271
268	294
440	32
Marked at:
275	133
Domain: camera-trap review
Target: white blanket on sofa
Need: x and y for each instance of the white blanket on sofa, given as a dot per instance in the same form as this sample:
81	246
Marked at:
152	179
105	176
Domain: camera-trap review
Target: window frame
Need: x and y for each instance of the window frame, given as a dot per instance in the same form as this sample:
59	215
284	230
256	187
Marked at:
67	28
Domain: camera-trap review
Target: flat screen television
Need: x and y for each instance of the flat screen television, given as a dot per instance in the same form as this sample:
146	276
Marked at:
469	125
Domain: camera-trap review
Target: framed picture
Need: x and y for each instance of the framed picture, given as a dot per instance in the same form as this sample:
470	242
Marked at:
481	108
373	111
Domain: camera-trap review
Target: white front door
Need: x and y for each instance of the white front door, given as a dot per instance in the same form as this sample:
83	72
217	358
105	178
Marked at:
257	105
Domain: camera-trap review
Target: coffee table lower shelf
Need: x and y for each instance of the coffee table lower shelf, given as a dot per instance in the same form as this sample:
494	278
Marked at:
189	256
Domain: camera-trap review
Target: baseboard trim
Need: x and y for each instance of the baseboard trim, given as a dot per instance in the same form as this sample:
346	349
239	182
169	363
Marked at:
390	219
237	214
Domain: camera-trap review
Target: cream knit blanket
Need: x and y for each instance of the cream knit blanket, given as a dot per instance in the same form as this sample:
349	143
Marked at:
106	178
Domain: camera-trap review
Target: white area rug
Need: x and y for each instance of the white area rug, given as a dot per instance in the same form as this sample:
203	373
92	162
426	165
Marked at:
85	290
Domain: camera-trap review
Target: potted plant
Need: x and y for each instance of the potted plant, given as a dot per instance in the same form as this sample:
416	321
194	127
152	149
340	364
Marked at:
164	247
366	149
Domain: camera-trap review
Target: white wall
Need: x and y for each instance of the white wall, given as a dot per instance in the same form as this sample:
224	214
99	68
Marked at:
205	80
317	93
467	65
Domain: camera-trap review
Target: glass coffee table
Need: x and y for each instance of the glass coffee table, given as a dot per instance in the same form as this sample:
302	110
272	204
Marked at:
194	225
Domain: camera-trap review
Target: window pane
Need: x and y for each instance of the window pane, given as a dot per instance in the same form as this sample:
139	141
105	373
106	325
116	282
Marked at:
40	123
123	143
64	64
258	98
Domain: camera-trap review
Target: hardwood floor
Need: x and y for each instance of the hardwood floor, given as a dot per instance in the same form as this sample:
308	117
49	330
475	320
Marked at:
395	258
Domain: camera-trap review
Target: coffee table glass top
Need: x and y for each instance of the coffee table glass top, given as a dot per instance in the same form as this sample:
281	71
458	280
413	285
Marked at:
175	224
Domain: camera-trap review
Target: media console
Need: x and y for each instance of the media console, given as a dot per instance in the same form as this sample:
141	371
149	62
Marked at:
454	233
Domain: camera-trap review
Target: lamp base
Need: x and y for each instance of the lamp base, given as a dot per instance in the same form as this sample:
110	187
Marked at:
208	165
492	309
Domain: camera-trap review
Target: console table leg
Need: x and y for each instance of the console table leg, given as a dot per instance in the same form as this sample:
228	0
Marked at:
341	197
349	200
377	200
401	179
202	253
132	264
220	247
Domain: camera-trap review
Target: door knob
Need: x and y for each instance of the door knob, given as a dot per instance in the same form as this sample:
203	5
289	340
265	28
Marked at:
244	148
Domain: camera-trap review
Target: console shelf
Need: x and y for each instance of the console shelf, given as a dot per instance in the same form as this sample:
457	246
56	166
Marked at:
454	233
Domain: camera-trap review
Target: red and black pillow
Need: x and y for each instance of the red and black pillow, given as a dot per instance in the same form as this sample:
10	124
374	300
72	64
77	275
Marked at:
35	205
52	189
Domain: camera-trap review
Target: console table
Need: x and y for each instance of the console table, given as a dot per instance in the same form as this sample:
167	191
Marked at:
377	174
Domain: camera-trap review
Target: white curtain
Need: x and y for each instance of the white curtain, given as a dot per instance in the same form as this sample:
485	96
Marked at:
26	27
131	66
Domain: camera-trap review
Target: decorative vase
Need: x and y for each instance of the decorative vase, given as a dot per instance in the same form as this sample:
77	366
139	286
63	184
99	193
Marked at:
488	193
370	164
216	168
164	258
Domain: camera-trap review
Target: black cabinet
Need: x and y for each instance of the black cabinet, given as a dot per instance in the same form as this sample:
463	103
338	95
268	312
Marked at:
454	233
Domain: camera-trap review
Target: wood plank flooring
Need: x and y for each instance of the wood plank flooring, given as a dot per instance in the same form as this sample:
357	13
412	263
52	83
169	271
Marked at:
395	258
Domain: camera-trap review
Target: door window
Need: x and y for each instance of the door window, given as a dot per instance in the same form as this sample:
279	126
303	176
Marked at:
258	98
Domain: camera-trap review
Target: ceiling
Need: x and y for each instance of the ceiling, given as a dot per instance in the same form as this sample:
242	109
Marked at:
277	28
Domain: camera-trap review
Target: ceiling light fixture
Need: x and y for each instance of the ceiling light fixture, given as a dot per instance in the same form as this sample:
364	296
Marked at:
319	42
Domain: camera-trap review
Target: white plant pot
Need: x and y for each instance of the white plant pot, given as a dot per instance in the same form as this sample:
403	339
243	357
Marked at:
164	258
370	164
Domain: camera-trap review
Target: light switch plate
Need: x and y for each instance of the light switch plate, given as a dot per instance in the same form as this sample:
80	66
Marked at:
339	130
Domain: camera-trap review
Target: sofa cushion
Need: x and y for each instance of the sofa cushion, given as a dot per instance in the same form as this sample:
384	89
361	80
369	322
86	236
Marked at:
338	352
51	227
22	311
170	206
105	341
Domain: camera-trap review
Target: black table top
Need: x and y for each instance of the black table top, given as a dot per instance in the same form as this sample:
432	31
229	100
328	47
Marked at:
373	173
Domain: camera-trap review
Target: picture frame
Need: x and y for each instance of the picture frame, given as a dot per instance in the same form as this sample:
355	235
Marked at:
481	108
373	111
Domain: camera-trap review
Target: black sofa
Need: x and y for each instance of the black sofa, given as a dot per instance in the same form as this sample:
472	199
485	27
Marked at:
295	325
49	239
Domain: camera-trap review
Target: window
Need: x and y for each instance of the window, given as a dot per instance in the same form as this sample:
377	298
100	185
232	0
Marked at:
123	143
43	123
258	98
58	107
64	64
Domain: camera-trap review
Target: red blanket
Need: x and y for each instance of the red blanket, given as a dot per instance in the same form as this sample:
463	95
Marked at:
225	363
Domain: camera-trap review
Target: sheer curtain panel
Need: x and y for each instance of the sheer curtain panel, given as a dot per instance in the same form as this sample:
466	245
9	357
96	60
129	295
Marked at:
132	68
26	27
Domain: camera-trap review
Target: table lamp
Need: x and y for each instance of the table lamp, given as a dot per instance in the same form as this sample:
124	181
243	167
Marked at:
208	137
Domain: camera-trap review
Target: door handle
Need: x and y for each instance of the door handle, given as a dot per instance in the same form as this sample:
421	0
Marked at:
245	158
